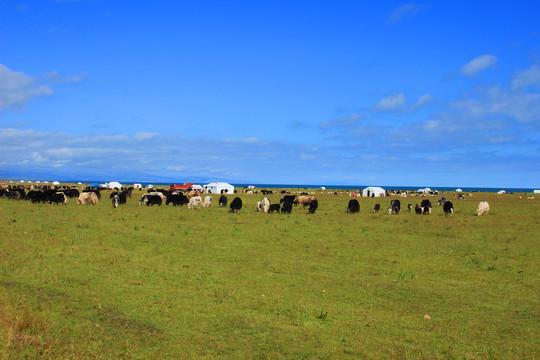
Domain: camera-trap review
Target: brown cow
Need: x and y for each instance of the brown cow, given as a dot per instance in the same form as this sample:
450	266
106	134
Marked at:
304	200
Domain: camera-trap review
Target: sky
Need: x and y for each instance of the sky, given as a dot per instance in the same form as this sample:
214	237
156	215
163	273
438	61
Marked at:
442	93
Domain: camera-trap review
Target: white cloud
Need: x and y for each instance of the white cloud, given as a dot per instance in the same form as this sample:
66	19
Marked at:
342	122
144	135
391	102
526	78
16	88
55	78
479	64
404	11
424	100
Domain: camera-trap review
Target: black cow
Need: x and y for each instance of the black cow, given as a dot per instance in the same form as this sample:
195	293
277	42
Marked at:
273	208
409	207
57	198
441	201
222	201
418	209
152	200
177	199
287	198
448	208
353	207
313	206
236	205
288	202
118	198
72	193
376	208
426	206
395	206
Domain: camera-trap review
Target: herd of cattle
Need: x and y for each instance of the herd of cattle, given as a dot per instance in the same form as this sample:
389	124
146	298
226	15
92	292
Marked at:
194	199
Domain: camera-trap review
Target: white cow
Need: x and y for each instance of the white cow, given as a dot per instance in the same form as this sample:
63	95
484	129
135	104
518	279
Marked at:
483	208
194	202
265	204
208	201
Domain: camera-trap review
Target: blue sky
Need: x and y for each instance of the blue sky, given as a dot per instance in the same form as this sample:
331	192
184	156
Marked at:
302	92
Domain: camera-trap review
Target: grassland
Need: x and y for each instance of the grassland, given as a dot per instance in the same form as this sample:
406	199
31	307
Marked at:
137	282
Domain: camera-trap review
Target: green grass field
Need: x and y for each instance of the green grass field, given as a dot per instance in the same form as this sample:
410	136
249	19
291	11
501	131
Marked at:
137	282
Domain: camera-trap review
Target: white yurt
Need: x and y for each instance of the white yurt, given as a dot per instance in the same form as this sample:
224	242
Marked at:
217	187
137	186
373	191
56	183
197	187
424	191
459	190
500	192
114	185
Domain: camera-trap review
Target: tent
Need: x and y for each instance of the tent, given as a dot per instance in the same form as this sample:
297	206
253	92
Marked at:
500	192
114	185
424	191
197	187
373	191
95	185
536	191
137	186
218	187
56	183
459	190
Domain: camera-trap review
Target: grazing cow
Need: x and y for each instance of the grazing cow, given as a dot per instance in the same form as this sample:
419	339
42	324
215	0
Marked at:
177	199
448	208
115	198
222	201
152	200
287	204
483	208
461	196
236	205
95	191
313	205
249	192
144	198
72	193
121	198
418	209
193	193
273	208
353	207
376	208
304	200
35	196
395	206
409	207
265	204
426	206
195	201
208	201
441	201
58	198
287	198
87	198
258	206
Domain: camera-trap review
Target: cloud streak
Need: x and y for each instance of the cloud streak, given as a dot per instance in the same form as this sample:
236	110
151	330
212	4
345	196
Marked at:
404	11
479	64
16	88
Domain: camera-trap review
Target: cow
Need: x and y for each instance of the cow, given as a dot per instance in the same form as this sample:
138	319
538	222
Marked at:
118	198
144	198
258	206
195	201
376	208
395	206
193	193
353	207
304	200
313	205
273	208
441	201
177	199
222	201
152	200
236	205
448	208
409	207
58	198
418	209
287	205
87	198
72	193
265	204
208	201
426	206
289	198
483	208
35	196
95	191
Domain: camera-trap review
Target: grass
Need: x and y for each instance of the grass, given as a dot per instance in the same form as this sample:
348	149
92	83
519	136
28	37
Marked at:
167	282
